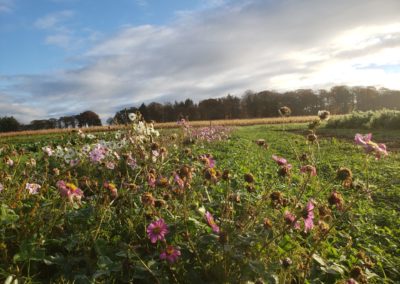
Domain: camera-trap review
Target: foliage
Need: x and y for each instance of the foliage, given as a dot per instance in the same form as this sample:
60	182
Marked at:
382	119
9	124
157	209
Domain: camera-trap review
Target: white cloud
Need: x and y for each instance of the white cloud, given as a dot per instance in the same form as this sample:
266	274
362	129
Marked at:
53	21
255	45
141	3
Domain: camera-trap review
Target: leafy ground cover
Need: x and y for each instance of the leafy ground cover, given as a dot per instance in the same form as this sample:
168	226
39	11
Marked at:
255	204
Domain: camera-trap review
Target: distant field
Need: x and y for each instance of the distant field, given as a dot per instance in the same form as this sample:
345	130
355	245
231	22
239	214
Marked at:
224	122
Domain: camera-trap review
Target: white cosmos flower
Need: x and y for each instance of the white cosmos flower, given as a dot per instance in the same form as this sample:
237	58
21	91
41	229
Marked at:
132	116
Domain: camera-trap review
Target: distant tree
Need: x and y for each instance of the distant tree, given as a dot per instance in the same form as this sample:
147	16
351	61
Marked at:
143	111
110	121
342	99
42	124
8	124
367	98
89	118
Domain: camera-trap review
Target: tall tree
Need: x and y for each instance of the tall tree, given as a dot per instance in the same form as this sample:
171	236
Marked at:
8	124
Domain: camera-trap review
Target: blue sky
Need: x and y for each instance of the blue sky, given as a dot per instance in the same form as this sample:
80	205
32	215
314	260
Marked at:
42	35
62	57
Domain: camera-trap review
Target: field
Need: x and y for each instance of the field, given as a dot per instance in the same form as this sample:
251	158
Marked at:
163	125
250	204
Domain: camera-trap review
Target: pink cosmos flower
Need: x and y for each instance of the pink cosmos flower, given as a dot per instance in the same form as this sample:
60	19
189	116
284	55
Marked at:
74	162
131	161
211	222
279	160
360	139
308	169
171	254
69	190
112	188
157	230
97	154
291	219
9	162
369	146
309	216
151	180
48	151
33	188
1	187
110	165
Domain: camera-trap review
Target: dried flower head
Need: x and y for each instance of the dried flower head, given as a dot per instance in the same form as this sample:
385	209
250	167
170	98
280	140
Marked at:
308	169
249	178
344	174
163	182
276	198
286	262
312	137
285	111
336	198
267	223
148	199
234	197
284	170
324	114
226	175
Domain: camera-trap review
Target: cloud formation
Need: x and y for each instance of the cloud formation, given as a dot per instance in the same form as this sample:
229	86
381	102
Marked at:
225	48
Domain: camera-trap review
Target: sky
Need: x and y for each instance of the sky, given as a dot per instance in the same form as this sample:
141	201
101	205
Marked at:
62	57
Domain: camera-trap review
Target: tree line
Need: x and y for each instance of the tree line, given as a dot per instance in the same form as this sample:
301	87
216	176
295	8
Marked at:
337	100
86	118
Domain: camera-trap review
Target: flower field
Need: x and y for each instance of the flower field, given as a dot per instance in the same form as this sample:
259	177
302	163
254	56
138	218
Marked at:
254	204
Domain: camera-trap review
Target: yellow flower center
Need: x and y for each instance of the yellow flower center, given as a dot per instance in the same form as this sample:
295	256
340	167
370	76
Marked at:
72	186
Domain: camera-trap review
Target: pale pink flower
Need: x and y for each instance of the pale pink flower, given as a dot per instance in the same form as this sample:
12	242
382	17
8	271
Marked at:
74	162
308	169
9	162
110	165
291	220
211	222
369	146
131	162
48	151
69	190
279	160
171	254
97	154
33	188
308	216
179	181
151	180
